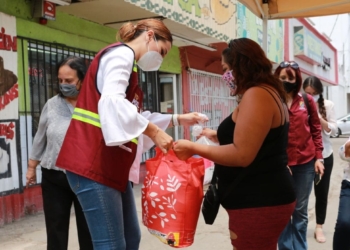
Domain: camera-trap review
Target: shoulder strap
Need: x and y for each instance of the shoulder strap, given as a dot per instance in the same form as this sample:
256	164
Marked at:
306	101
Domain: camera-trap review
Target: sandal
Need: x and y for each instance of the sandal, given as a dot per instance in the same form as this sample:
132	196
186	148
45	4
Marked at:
319	236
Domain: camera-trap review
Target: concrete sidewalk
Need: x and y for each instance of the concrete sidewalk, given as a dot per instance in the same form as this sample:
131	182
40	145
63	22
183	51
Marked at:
29	233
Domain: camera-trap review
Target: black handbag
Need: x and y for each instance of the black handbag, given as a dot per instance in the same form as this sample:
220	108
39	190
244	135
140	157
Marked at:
211	202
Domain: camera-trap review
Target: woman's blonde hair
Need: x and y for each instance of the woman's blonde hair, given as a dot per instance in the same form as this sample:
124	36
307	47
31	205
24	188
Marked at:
130	31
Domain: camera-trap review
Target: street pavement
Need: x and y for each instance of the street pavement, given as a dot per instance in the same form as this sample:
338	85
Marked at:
29	233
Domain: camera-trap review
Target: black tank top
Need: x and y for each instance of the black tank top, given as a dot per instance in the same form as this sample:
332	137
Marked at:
269	183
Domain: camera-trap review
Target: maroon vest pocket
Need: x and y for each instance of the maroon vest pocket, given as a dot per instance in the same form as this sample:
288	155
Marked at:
113	164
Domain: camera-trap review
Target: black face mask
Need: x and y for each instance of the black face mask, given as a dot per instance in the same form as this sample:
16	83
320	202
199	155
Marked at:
289	87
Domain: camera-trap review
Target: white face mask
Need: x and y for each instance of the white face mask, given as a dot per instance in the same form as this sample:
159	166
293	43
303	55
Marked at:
316	97
151	60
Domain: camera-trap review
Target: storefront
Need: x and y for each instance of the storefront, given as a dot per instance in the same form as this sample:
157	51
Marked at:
29	52
35	46
313	52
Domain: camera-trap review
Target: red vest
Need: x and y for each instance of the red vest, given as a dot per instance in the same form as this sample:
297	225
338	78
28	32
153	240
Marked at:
84	150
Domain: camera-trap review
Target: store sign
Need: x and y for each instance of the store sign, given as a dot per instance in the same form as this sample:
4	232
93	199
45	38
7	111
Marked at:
213	18
8	68
49	10
45	9
7	42
307	45
9	172
327	61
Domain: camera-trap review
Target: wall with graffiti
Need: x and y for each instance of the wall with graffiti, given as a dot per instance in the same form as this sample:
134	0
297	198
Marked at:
250	26
211	17
9	171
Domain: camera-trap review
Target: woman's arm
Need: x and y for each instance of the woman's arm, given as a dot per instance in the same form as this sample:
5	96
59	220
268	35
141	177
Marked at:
253	117
120	121
38	148
330	126
344	151
40	139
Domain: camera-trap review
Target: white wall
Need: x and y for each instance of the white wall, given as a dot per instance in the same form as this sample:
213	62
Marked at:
337	27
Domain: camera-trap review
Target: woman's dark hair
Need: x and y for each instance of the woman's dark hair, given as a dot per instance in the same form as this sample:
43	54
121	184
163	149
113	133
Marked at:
298	78
76	63
226	54
316	84
250	66
129	31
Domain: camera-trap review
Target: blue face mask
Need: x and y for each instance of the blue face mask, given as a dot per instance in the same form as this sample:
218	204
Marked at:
316	97
69	90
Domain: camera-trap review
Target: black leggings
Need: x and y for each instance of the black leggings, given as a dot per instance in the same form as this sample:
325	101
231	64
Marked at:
58	198
321	191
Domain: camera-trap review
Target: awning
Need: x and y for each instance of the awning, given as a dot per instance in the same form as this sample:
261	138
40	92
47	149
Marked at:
114	13
278	9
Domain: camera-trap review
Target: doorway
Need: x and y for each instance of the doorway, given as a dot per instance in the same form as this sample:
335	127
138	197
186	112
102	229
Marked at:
169	90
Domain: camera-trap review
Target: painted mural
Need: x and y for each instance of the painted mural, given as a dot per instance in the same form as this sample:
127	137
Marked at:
250	26
9	173
211	17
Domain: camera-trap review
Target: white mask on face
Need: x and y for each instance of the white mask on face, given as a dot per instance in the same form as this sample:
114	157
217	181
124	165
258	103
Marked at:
151	60
316	97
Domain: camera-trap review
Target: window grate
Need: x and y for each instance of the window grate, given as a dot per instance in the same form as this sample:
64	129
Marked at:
43	59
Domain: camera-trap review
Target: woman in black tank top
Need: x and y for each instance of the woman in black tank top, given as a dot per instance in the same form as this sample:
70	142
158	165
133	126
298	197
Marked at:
253	142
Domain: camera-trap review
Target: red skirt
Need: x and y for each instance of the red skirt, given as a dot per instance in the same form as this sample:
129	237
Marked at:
258	228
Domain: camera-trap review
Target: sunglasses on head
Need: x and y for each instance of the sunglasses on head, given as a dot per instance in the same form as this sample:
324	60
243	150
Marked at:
293	65
230	43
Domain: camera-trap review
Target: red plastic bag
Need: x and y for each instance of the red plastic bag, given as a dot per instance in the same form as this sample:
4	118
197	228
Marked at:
172	194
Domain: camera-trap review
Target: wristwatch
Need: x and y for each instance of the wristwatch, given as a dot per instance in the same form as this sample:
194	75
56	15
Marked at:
321	160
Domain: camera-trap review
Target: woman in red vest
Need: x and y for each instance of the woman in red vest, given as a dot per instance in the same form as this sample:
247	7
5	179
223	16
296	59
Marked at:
109	132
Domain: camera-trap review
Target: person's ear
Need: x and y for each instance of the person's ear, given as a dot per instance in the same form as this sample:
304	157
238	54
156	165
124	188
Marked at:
78	86
150	35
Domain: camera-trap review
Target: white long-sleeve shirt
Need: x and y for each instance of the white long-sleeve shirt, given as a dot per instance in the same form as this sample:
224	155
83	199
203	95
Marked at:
332	125
120	121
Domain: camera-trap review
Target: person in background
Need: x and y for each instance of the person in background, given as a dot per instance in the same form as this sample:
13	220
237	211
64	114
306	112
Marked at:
58	197
313	86
341	239
304	153
253	147
109	132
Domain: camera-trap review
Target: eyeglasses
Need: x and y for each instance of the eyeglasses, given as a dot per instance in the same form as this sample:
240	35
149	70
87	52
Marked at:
286	64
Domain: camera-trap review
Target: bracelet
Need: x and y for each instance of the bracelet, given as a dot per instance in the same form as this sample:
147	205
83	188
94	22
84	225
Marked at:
320	160
175	120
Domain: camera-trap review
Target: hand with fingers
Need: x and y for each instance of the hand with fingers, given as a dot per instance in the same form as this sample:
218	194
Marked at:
210	134
163	141
31	176
191	119
319	167
183	149
31	172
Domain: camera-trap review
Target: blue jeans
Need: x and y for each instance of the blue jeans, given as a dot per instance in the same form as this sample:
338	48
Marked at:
341	239
293	236
110	214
